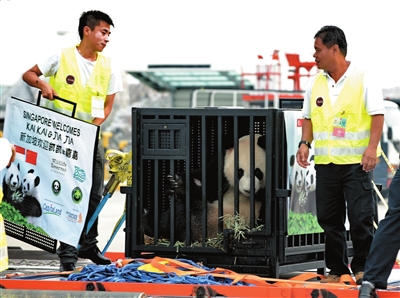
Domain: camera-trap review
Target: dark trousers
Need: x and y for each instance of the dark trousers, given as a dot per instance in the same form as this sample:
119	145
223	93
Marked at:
340	188
386	243
68	253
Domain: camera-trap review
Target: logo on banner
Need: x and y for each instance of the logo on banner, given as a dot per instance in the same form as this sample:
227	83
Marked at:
77	218
77	195
56	187
79	174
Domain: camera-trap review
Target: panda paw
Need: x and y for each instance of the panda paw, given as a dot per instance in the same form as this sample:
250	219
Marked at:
170	184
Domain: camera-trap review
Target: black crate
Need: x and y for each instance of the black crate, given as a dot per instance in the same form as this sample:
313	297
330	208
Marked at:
168	141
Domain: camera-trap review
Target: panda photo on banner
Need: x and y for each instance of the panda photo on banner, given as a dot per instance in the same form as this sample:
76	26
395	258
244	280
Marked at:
301	181
302	184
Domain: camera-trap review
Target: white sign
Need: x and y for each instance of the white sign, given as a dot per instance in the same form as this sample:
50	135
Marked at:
49	183
301	181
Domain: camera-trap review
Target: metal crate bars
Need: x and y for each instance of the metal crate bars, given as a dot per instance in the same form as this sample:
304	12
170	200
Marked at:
170	141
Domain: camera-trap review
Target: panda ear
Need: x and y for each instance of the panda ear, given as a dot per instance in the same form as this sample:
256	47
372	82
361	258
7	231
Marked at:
291	160
227	142
261	141
230	149
31	171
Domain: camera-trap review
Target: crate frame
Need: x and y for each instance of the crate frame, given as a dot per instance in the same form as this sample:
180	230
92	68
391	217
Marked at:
269	252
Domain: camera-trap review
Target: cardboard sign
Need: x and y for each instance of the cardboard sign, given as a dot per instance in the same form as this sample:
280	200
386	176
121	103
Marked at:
50	180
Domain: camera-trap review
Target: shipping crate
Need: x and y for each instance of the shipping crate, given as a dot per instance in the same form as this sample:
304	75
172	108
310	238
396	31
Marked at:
171	140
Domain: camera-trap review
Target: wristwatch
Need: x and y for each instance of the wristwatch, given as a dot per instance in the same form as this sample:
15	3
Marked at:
306	143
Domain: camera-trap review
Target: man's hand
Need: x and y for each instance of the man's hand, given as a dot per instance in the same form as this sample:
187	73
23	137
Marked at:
47	91
302	156
31	77
369	159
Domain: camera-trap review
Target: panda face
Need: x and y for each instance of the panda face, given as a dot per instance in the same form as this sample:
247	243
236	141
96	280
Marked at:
12	177
244	176
29	184
298	177
309	180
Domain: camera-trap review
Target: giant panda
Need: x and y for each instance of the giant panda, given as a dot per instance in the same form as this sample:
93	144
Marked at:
30	207
244	183
310	178
212	193
297	175
12	185
303	183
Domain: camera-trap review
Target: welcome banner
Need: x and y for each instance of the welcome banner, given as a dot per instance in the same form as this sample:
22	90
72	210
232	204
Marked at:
50	180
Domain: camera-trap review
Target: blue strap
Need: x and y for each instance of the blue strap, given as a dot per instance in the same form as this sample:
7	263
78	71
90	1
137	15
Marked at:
97	212
95	215
120	222
130	273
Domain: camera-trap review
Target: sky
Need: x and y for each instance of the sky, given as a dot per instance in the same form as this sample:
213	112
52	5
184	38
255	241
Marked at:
227	34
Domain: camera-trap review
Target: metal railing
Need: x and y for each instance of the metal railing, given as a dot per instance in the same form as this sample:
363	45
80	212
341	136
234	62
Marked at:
267	93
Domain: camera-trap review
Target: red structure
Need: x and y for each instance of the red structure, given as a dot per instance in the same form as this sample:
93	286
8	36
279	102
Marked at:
272	73
266	72
294	61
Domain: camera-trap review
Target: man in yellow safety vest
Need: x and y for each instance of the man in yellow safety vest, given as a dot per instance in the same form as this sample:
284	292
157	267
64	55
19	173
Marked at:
83	75
343	114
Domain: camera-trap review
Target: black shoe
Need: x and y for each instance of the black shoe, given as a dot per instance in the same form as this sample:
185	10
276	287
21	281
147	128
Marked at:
94	255
367	291
67	267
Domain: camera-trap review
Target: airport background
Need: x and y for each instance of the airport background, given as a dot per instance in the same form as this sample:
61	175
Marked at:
172	52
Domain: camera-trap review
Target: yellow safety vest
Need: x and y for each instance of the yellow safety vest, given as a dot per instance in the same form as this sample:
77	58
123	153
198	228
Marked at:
341	132
67	83
3	241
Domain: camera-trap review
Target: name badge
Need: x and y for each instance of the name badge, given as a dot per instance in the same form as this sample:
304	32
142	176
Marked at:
339	127
97	107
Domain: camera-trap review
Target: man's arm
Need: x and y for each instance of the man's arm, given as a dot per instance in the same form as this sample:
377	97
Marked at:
31	77
307	135
108	105
369	159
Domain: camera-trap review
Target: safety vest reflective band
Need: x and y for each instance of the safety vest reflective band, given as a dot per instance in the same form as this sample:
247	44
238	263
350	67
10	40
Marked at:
67	83
341	132
340	151
350	135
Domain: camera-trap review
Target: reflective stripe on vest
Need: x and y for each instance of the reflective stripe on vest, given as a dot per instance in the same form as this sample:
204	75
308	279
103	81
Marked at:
67	83
341	132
